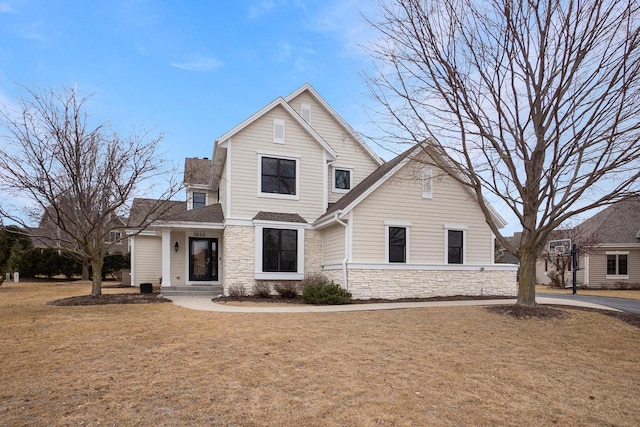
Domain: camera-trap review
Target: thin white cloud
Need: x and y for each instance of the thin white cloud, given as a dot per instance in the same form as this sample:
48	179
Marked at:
200	63
5	7
260	8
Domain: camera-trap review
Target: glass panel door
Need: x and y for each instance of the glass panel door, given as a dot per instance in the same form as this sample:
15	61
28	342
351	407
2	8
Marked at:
203	260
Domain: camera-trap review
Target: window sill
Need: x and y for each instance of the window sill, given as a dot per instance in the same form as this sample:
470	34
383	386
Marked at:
279	276
279	196
340	190
610	277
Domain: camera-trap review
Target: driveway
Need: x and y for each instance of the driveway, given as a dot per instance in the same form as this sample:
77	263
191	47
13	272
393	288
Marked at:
623	304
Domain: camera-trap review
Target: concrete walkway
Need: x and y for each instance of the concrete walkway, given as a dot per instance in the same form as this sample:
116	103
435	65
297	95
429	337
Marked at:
205	304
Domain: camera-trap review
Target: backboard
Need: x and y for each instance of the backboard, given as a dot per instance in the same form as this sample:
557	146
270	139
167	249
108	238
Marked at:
561	247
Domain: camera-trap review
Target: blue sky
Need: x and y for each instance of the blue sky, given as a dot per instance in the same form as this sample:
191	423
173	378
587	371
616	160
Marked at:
189	69
192	70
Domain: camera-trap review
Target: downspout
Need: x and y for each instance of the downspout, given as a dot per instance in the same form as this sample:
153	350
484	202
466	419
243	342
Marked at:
346	249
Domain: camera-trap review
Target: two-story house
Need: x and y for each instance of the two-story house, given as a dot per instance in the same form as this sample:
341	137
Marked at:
293	190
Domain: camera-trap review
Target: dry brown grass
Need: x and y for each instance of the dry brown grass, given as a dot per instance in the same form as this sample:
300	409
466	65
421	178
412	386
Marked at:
162	365
615	293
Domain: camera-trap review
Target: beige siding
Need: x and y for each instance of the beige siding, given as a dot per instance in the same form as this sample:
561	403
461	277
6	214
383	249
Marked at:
148	256
222	186
179	259
598	268
258	137
333	245
350	153
400	199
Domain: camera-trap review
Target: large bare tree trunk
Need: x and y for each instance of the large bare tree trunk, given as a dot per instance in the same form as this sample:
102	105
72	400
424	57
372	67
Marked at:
96	286
527	280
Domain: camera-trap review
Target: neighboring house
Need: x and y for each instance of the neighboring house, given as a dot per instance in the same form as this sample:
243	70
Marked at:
612	257
292	190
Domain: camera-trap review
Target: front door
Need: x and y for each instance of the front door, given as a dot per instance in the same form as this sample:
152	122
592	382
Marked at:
203	260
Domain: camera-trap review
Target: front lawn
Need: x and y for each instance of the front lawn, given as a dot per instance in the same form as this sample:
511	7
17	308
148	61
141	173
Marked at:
158	364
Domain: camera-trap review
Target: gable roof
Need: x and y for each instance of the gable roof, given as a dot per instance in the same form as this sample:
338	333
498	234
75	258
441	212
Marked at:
308	88
618	223
279	102
376	179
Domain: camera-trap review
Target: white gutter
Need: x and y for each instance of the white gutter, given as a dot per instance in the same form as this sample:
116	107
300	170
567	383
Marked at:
346	248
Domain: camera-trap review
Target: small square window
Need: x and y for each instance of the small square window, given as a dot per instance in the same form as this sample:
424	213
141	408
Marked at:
342	179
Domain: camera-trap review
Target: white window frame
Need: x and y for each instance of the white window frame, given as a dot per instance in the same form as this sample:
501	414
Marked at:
206	197
455	227
305	110
278	195
278	123
333	179
261	275
398	224
616	276
426	178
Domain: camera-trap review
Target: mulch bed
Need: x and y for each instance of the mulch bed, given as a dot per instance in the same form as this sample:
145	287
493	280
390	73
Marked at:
546	312
130	298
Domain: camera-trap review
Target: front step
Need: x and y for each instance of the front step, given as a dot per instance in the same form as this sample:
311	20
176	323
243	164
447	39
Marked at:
192	291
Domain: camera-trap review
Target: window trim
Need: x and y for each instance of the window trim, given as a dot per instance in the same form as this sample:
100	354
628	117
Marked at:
333	179
455	227
397	224
276	138
296	159
262	275
426	171
193	197
616	254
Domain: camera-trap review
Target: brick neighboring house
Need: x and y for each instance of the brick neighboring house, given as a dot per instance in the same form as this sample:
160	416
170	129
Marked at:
293	190
612	260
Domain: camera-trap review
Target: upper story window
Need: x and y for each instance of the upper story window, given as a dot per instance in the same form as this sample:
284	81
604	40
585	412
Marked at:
115	236
278	131
455	246
342	180
617	264
278	176
199	200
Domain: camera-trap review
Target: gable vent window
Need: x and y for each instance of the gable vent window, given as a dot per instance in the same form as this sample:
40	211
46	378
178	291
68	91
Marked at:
305	112
278	131
427	183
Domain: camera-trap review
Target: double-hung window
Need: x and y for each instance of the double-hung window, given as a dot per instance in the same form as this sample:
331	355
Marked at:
279	250
278	176
199	200
455	247
397	244
617	264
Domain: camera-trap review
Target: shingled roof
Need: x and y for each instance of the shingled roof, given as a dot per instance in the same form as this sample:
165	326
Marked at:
170	210
366	183
619	223
197	171
278	216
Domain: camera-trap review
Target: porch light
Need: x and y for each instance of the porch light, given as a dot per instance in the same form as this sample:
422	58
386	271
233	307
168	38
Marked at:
176	246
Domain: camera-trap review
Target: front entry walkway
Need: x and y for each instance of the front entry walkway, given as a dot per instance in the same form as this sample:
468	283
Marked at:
205	304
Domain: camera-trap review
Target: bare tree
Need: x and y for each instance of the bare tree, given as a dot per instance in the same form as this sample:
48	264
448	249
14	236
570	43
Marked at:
531	104
75	178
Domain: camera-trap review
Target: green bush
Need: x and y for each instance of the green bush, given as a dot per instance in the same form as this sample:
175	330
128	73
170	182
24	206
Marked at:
287	290
330	294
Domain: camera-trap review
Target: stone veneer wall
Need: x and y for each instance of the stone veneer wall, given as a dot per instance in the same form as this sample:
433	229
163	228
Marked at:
238	253
238	256
395	284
